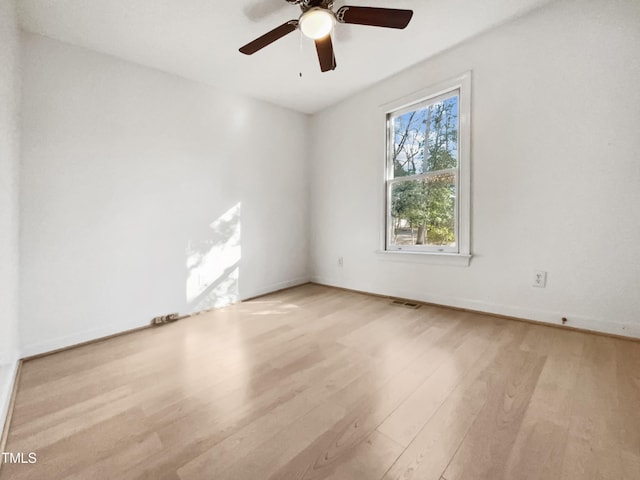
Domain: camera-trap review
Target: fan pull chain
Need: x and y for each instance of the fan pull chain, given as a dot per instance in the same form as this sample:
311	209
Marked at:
300	54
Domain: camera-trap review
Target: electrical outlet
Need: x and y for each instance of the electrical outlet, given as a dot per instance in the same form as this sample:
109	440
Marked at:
340	262
540	278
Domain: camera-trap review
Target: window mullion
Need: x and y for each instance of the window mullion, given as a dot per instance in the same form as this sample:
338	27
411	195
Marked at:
419	176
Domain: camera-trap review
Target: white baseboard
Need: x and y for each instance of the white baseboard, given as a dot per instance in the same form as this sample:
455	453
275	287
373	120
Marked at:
77	338
542	316
277	286
7	379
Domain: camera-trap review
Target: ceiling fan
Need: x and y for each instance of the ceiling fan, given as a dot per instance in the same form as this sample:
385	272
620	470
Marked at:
318	19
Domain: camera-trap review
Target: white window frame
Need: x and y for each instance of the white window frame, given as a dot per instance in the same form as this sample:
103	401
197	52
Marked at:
461	253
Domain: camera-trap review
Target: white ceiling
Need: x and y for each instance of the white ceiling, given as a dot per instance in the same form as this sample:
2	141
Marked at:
199	39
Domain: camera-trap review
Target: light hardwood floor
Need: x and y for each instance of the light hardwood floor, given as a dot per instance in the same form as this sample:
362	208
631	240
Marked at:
320	383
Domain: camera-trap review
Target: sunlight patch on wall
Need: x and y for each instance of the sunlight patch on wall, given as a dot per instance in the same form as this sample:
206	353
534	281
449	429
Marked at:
213	264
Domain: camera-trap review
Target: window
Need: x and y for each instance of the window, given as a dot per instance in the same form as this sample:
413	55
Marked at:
427	172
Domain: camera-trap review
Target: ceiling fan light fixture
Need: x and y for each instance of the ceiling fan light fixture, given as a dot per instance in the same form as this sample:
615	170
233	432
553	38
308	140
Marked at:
317	22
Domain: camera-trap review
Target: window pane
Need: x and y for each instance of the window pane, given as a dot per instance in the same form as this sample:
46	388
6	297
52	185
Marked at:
423	212
426	139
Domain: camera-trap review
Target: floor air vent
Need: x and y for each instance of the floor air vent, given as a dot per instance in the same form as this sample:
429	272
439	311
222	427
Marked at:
172	317
404	303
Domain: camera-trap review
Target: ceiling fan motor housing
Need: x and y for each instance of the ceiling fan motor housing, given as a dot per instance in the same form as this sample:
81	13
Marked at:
308	4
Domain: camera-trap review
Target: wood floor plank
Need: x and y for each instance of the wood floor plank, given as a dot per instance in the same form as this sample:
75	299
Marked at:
273	455
409	418
241	424
80	450
321	383
369	459
628	388
428	455
71	422
339	444
630	465
539	447
120	462
593	441
347	396
485	450
240	444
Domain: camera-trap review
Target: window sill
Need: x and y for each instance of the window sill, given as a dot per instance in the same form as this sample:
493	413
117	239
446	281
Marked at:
456	259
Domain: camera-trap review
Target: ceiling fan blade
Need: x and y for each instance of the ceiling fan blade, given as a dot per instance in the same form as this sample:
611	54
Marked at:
375	17
324	47
269	37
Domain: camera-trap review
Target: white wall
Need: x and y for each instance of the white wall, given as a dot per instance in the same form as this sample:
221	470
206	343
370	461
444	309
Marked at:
142	192
555	180
9	166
